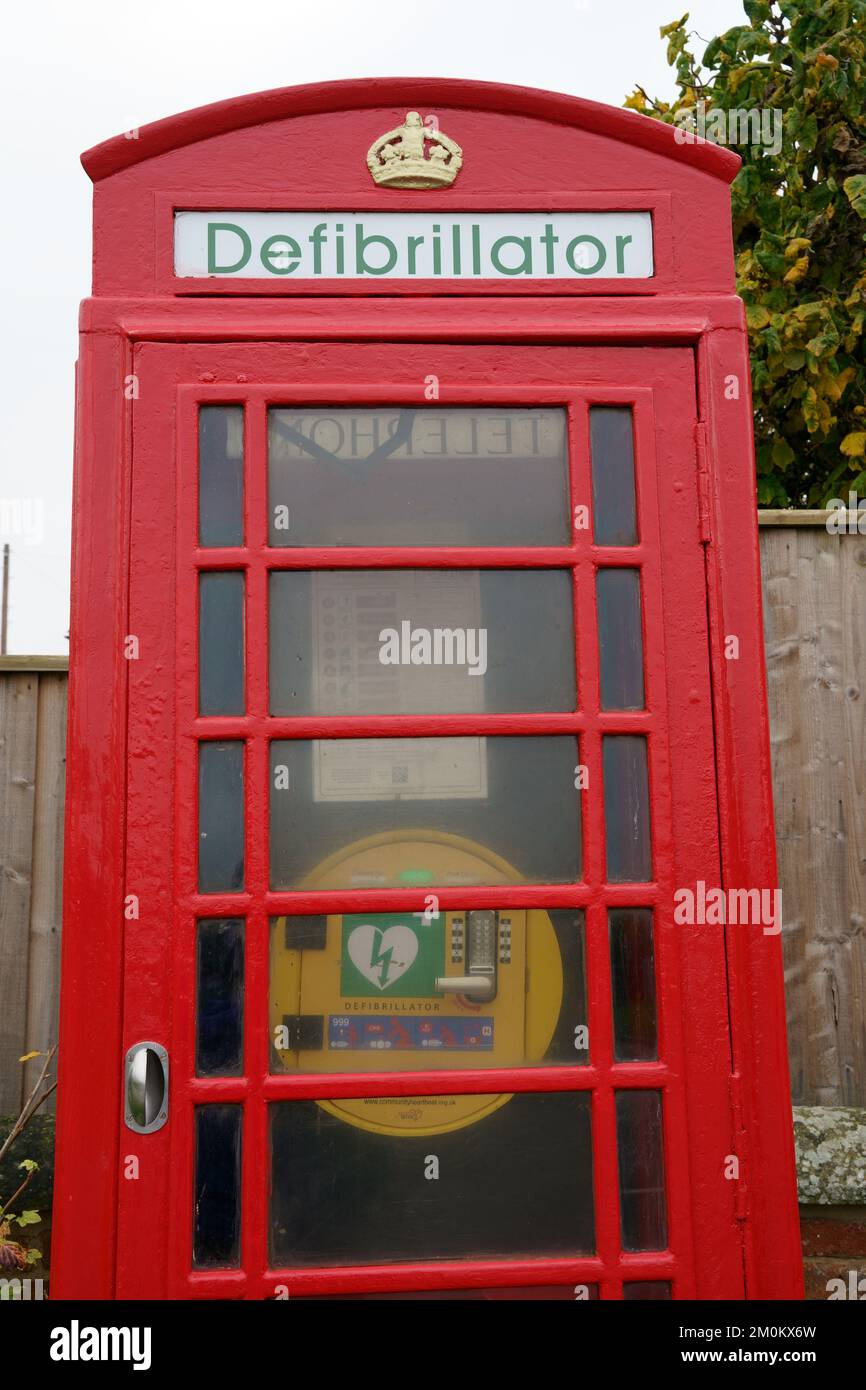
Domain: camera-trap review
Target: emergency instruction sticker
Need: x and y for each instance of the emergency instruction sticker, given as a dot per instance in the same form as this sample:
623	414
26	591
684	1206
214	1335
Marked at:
393	769
385	951
400	1034
350	610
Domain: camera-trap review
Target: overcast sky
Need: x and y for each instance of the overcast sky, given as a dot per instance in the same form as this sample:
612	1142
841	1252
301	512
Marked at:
77	73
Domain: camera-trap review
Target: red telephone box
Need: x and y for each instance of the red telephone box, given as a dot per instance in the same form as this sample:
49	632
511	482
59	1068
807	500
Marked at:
420	848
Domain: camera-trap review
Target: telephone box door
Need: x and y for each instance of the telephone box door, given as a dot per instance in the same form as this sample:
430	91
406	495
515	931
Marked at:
420	752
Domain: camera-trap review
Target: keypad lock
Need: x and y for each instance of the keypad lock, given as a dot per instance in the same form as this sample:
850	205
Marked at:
481	956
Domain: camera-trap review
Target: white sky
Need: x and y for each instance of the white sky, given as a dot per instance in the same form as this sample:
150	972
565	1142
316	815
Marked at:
76	73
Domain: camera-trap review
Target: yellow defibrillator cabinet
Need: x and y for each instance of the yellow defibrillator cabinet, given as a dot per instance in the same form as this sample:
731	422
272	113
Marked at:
418	990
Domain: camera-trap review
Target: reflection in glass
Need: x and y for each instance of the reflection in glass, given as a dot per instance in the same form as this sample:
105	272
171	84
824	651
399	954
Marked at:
220	475
515	1179
437	475
221	642
626	809
613	497
442	811
421	641
391	991
633	984
217	1198
219	997
620	644
221	817
643	1210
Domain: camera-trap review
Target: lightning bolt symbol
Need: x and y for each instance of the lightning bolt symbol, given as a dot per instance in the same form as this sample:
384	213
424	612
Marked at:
380	957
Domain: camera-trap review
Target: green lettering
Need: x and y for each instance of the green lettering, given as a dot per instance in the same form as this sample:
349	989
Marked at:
585	269
318	235
414	243
212	229
548	241
525	242
361	244
270	257
476	249
621	243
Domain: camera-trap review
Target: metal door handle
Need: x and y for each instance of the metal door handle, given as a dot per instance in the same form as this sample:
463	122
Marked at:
146	1087
480	986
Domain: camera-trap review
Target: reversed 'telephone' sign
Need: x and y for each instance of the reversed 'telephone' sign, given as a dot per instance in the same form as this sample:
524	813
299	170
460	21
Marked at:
414	245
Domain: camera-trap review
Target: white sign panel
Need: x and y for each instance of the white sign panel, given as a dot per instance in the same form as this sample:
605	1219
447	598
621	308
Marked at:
349	611
413	245
400	769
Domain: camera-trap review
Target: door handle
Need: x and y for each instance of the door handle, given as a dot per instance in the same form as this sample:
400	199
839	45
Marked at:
146	1087
482	937
478	986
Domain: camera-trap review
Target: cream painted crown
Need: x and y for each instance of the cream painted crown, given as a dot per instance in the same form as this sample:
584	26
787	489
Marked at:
413	156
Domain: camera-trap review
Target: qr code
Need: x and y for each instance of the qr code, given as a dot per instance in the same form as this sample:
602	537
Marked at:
400	775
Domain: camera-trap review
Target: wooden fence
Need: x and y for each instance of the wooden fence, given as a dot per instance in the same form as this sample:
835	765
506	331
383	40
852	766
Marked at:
815	624
32	786
815	630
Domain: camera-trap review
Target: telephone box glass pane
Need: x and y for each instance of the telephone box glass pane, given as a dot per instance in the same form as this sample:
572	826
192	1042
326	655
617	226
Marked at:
221	642
408	812
620	642
217	1204
626	809
614	509
221	475
633	983
643	1210
409	991
431	1177
649	1290
220	997
438	475
421	641
221	817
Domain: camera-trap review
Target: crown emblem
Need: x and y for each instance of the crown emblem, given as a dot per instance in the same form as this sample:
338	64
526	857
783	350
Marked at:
413	156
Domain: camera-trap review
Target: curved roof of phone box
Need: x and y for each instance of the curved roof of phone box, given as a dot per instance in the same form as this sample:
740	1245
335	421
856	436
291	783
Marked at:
257	108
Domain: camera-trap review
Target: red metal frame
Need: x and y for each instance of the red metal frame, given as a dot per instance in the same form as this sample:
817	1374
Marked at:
123	511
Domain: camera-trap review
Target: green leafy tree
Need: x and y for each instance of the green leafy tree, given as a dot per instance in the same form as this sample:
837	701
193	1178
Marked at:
799	219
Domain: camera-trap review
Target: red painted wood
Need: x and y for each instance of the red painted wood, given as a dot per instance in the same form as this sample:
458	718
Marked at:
712	801
774	1266
205	122
84	1211
444	1274
653	201
679	317
292	149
